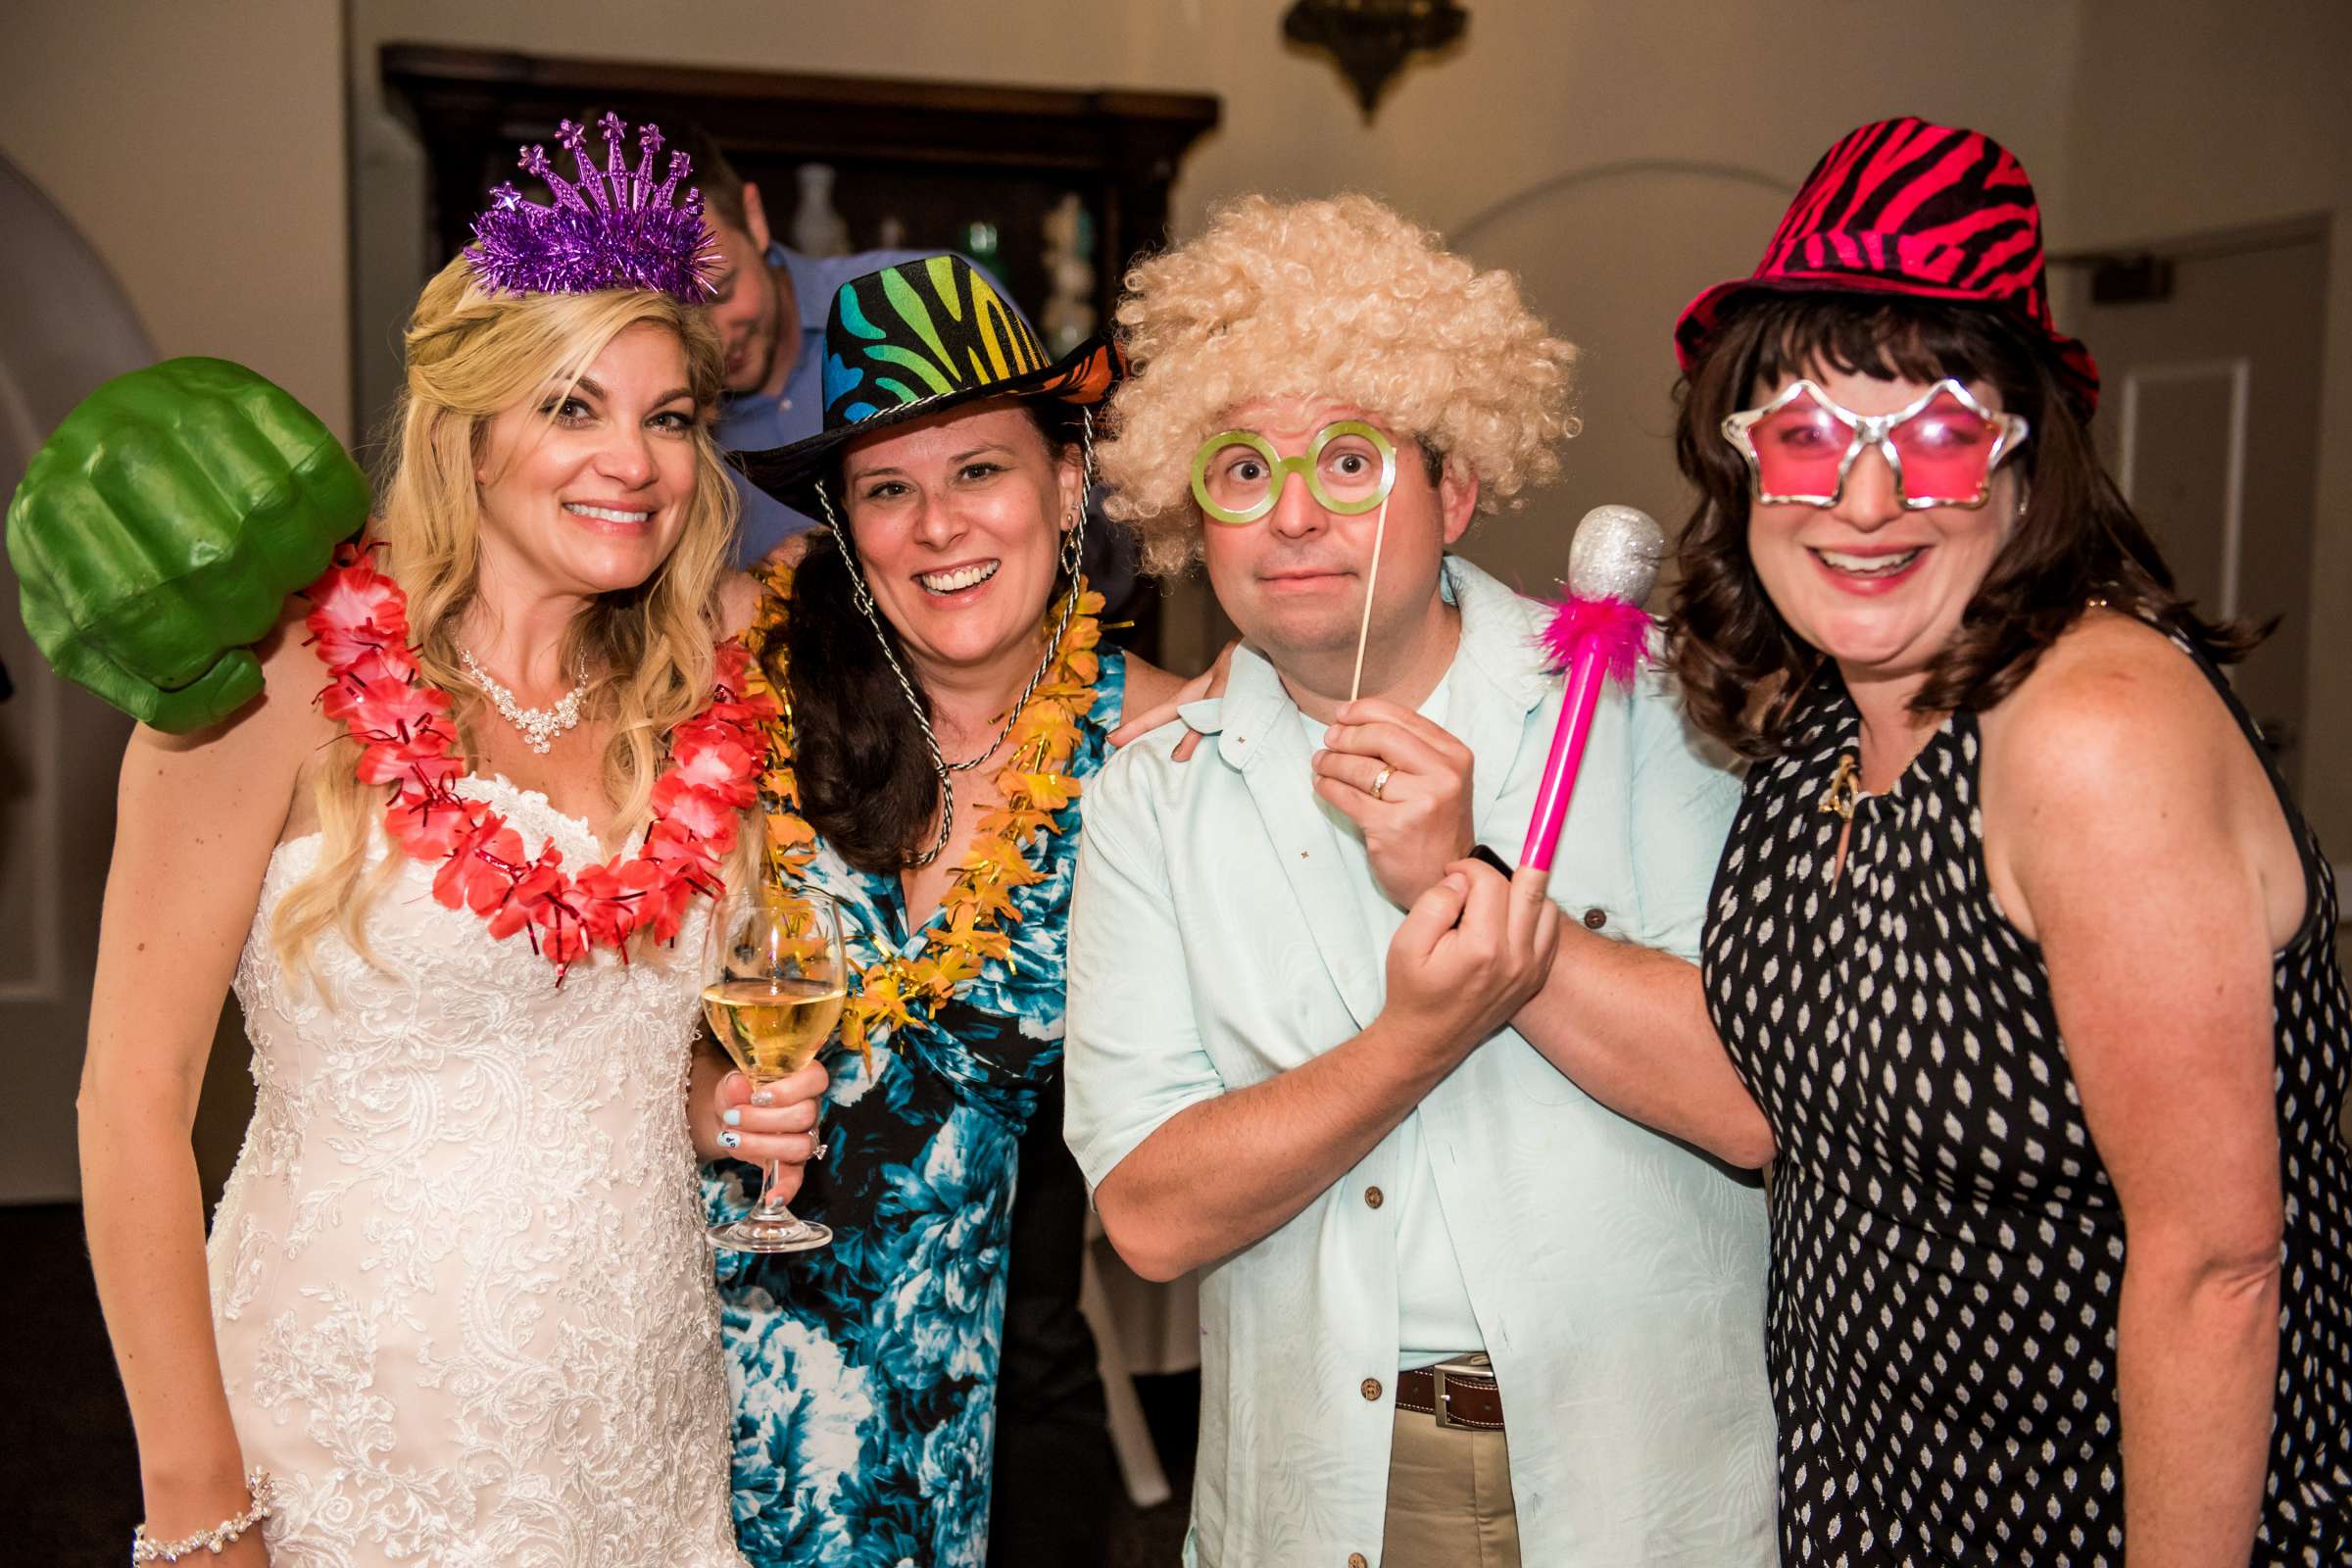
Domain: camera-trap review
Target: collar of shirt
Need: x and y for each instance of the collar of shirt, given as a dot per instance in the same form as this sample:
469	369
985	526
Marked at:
1498	659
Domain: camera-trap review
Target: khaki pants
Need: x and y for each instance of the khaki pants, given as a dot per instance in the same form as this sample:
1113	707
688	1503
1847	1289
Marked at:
1449	1498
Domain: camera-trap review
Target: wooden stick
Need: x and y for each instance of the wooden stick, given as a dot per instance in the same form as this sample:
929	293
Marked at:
1363	630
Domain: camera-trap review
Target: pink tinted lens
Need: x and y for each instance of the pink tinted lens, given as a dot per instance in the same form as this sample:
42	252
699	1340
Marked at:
1798	447
1946	449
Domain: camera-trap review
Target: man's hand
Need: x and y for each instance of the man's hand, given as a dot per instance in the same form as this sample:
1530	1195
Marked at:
1471	951
1210	682
1419	818
790	548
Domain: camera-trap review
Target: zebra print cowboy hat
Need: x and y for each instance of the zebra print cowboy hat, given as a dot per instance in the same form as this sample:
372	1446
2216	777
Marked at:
912	340
1905	207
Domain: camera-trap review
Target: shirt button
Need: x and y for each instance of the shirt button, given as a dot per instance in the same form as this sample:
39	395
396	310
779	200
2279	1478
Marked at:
1594	919
1371	1388
1356	1559
1372	1198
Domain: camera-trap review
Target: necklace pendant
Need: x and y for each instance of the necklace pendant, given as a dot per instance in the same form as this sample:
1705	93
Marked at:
539	725
1844	785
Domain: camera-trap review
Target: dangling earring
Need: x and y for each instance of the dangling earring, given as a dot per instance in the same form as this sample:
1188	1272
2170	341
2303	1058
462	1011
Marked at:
1070	542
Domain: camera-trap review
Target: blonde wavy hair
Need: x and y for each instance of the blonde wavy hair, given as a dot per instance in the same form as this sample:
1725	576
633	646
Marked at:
470	357
1338	298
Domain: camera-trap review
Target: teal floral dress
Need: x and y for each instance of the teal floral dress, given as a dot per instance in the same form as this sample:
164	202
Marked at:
864	1373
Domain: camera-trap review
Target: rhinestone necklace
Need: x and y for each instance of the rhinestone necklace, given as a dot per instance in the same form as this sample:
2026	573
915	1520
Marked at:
539	725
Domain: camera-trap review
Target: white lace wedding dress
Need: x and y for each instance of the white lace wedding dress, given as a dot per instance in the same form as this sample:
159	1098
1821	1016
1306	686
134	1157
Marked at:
464	1304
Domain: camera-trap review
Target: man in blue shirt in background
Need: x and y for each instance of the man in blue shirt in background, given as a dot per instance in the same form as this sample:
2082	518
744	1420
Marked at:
770	307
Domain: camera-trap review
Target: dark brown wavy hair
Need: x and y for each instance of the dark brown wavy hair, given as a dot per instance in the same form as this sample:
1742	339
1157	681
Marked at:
2077	540
863	772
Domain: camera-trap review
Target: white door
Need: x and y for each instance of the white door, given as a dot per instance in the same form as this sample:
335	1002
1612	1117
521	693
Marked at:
2210	421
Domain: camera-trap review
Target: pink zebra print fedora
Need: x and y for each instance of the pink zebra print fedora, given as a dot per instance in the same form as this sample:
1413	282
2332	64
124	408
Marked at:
1905	207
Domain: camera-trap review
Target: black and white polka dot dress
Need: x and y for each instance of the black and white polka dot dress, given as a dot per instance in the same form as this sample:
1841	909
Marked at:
1946	1246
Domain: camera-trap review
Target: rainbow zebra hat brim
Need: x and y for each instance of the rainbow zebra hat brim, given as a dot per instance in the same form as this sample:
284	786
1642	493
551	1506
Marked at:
915	340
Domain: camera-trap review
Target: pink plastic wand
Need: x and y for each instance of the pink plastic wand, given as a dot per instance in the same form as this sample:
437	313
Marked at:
1598	634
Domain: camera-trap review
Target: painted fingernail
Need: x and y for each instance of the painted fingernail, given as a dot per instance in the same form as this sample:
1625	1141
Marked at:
730	1140
763	1096
731	1116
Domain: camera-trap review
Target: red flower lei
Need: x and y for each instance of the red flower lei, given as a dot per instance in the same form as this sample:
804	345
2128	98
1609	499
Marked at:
360	625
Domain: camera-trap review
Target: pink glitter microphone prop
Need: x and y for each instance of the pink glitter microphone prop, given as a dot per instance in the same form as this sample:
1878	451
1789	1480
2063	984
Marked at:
1598	634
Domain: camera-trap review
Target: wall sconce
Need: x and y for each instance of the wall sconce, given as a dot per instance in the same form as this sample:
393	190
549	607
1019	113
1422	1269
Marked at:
1371	38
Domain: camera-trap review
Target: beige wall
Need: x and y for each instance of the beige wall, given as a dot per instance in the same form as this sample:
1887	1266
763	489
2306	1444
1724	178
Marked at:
199	146
2189	115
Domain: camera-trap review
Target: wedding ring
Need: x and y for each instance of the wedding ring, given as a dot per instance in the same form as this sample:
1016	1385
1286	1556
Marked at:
1380	782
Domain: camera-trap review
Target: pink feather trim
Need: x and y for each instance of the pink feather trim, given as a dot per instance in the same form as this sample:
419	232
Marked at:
1618	633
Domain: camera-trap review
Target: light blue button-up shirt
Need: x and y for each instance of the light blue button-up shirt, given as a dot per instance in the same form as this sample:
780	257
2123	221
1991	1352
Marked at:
1617	1278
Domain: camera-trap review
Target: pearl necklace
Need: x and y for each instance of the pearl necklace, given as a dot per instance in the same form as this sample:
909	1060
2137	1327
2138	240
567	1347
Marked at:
539	725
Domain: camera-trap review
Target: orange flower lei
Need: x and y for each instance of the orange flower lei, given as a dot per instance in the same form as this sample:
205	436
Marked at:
1035	786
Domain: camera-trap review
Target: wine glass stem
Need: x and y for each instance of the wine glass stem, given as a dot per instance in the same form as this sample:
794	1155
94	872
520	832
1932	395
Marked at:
771	1207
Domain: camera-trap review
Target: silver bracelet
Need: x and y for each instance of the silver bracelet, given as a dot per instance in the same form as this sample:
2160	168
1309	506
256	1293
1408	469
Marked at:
144	1549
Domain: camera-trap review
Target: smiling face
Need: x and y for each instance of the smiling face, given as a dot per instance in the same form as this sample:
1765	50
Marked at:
959	519
1879	589
1293	580
585	491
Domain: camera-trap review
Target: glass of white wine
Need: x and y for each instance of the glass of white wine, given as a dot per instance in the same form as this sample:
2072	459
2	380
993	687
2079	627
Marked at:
776	983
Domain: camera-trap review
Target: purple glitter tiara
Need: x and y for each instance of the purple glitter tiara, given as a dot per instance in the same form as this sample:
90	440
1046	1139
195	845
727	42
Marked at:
613	229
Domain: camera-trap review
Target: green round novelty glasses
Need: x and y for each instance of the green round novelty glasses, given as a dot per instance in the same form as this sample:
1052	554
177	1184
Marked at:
1349	467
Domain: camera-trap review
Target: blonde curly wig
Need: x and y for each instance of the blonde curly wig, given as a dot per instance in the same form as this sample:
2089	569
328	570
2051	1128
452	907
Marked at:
1341	299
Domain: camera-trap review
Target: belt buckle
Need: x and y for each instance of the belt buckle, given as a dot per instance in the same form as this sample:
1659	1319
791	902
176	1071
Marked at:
1479	1366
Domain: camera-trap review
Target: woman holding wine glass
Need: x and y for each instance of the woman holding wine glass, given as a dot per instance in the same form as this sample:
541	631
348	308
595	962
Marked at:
458	1306
946	700
777	982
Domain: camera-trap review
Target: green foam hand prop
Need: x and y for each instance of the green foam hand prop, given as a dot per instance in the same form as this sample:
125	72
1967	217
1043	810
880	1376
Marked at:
158	531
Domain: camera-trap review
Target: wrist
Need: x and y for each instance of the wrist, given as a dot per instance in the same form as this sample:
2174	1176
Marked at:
181	1504
159	1538
1418	1048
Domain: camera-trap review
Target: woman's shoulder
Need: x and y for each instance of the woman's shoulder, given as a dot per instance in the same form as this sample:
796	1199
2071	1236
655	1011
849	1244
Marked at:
283	723
738	600
2114	712
243	775
1147	685
2114	677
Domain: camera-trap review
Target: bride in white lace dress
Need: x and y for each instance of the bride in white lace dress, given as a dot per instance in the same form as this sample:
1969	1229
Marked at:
457	1302
458	1280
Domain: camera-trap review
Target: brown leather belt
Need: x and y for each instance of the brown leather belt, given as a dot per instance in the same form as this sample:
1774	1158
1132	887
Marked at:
1457	1398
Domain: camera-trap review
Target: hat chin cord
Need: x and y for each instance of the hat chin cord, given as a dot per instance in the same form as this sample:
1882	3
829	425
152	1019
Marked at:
1072	548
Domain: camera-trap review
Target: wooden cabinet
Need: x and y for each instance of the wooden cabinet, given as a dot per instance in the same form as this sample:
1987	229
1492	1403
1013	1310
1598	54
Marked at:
938	156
